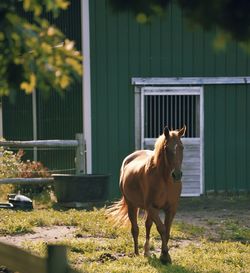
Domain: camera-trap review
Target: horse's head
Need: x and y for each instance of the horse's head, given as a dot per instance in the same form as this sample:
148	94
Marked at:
174	150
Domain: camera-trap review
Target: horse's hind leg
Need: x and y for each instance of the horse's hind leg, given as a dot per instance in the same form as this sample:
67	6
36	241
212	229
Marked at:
148	225
132	214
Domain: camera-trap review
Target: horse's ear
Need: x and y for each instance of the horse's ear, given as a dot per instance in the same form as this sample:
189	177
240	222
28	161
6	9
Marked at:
166	132
182	131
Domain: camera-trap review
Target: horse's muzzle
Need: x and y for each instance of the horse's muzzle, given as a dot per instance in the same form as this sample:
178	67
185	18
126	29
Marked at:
177	175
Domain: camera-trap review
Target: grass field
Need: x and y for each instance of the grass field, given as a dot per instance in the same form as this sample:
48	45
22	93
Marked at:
208	235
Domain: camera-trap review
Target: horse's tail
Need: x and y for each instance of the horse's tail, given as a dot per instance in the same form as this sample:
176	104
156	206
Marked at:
118	213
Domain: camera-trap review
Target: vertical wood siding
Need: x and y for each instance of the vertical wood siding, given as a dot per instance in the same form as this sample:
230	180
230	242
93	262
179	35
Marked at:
121	49
226	145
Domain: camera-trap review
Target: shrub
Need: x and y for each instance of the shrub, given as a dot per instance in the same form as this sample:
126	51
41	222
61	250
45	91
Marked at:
10	163
11	166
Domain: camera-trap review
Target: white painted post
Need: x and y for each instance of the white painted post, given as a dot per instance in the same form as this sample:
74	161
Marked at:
137	118
86	83
34	118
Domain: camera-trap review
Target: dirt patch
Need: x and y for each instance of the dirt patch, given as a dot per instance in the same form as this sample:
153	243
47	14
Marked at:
46	234
204	218
219	217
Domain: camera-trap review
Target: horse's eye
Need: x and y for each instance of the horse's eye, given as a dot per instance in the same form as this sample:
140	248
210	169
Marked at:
181	147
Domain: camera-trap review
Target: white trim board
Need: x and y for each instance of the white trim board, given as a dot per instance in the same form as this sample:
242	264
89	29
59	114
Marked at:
153	90
190	81
202	154
86	84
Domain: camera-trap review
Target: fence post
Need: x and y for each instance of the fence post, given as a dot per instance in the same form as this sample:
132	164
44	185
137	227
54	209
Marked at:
80	155
57	259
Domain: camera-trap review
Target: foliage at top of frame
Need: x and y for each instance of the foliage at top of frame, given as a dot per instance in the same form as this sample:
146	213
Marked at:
229	18
34	53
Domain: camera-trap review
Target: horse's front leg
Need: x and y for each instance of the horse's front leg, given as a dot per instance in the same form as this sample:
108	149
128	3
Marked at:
161	228
169	216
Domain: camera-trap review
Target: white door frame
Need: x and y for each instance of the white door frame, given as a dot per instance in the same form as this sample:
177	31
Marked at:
169	90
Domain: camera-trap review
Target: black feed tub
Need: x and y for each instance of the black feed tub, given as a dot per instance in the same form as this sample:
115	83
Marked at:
81	188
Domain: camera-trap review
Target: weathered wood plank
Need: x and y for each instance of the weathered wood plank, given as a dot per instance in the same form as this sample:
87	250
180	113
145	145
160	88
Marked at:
21	261
190	183
187	166
191	173
189	190
190	159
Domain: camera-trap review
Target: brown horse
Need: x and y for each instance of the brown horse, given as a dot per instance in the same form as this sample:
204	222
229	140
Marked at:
151	180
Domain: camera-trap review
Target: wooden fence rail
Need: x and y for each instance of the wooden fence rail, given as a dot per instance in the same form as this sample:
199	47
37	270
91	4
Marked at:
21	261
78	143
40	143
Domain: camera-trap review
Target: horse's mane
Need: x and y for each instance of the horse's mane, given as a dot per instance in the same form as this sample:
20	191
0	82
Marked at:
158	152
159	149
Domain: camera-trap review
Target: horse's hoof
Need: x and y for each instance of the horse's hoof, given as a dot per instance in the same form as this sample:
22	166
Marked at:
165	258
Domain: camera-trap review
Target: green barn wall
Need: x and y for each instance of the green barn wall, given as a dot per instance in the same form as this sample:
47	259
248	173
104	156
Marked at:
122	49
226	131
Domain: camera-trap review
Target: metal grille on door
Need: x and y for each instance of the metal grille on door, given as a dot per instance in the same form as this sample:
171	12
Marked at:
171	110
174	108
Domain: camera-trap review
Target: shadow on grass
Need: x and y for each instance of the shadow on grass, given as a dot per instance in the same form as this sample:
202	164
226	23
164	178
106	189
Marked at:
170	268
